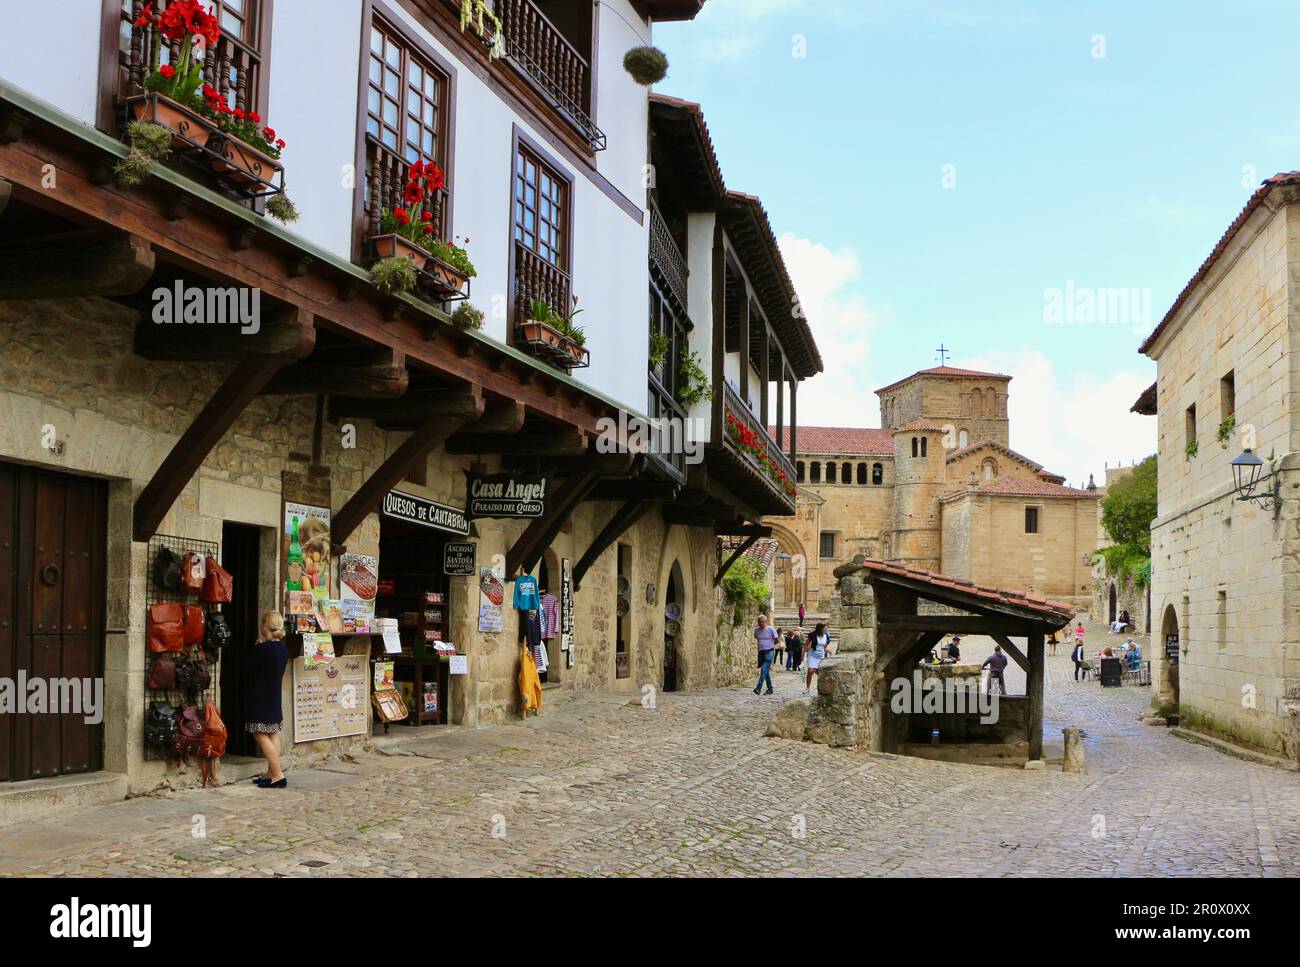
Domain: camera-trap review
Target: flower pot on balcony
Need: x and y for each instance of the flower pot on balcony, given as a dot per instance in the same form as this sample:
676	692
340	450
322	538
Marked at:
444	277
241	163
189	131
553	344
387	246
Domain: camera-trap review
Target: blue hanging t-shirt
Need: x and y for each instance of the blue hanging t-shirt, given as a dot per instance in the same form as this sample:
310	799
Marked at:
526	598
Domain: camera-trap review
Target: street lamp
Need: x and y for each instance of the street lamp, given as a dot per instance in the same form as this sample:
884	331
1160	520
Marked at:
1246	471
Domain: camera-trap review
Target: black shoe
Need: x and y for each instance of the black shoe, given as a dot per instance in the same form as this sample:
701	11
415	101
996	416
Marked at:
268	784
768	692
757	689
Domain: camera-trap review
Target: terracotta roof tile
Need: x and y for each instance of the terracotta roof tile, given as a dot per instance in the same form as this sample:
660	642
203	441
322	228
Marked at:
836	440
994	445
1032	605
1257	199
949	372
922	424
1008	486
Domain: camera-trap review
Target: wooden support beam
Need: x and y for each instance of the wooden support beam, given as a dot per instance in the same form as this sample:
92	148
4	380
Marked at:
735	556
119	267
288	334
231	398
539	533
623	520
1010	648
1034	692
561	442
499	416
958	624
906	645
383	380
6	191
743	530
414	449
659	490
601	464
411	409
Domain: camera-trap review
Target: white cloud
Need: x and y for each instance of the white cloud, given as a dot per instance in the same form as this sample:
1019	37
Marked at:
841	321
1072	422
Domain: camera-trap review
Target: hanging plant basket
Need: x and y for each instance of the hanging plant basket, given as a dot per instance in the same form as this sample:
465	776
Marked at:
647	65
553	345
444	278
189	131
241	163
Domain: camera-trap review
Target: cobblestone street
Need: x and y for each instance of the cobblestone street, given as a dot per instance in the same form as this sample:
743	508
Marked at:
598	786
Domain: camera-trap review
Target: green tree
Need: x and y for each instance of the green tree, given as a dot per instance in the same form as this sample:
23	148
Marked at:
1127	511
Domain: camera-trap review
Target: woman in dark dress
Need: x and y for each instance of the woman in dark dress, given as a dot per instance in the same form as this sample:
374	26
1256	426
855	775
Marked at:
264	712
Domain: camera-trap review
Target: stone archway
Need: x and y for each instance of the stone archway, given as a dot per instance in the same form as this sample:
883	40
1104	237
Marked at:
1170	643
674	628
1112	602
790	570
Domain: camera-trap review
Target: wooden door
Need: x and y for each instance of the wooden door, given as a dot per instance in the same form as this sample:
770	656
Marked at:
52	549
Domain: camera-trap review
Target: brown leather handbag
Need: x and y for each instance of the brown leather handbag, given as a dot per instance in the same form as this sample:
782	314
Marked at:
218	586
166	627
213	746
192	573
189	734
162	674
194	626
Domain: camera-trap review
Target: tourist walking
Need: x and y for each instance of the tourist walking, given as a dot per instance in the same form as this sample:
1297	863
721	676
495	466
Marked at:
778	656
996	663
765	637
1077	657
1052	641
794	650
801	616
818	642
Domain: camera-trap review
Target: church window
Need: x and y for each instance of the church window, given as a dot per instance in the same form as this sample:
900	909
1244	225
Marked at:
846	473
915	446
830	471
877	474
827	548
1031	520
862	473
799	470
816	472
923	443
963	440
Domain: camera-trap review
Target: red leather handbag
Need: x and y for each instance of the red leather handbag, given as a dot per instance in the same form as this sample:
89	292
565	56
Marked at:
218	586
192	574
194	625
166	627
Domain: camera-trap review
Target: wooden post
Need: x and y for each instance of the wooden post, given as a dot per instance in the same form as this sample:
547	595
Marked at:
1034	694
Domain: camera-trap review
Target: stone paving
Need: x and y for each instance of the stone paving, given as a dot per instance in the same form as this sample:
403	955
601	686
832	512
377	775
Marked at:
599	786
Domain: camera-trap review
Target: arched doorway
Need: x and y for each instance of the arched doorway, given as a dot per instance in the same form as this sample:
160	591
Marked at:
674	619
1171	644
1114	596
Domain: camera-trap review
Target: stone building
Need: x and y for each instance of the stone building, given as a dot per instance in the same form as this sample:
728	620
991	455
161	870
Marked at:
1225	573
937	487
126	428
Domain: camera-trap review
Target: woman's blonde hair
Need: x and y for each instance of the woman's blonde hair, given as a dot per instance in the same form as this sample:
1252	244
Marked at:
273	623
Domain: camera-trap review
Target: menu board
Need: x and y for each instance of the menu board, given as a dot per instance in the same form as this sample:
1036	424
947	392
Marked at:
331	701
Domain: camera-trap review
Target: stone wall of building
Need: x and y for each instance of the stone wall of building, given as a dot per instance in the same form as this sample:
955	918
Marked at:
68	365
1226	574
977	406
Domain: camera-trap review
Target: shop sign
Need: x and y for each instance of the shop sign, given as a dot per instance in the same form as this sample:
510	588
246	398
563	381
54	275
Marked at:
566	611
1171	647
507	495
459	559
427	513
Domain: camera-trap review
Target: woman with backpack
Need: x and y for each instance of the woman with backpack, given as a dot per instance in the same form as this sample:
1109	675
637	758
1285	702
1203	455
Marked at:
818	642
264	711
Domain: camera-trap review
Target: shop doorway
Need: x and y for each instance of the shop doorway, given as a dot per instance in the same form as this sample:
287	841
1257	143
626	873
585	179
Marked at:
674	615
241	556
53	537
549	580
1114	601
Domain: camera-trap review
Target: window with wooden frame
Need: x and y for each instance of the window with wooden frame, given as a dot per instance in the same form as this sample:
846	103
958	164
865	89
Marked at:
238	65
406	106
541	230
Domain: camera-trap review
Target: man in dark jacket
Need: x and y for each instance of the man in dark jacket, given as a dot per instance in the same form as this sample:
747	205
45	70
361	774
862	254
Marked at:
793	651
996	663
1077	657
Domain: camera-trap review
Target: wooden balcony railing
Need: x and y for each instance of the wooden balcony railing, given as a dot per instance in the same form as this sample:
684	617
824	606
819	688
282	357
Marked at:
667	257
662	406
386	180
734	406
232	66
536	278
537	49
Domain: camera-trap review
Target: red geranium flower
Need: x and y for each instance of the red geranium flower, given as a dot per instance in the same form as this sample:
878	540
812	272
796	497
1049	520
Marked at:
239	113
254	117
167	71
146	15
427	217
414	193
428	229
415	171
210	92
268	133
280	144
434	177
401	216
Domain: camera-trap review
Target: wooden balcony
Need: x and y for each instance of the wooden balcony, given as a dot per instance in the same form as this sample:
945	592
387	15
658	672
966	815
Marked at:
537	50
386	180
667	258
753	477
536	278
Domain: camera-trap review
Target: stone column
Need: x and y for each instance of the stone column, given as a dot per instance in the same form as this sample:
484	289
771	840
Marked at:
1073	761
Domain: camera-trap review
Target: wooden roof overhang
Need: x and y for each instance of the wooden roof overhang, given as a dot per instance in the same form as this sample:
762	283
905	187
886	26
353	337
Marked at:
321	315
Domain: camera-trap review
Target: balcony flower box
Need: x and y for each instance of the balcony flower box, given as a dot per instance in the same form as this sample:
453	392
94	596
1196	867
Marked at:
444	278
189	130
387	246
550	343
243	164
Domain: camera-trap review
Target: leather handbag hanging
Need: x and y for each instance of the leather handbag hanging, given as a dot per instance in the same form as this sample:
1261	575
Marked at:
213	746
218	586
194	625
162	674
160	726
192	673
192	573
217	636
167	570
189	733
166	627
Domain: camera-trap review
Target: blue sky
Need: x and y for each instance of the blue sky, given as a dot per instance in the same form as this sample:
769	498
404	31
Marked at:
935	168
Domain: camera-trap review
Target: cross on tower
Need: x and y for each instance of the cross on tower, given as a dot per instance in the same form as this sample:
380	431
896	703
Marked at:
943	354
